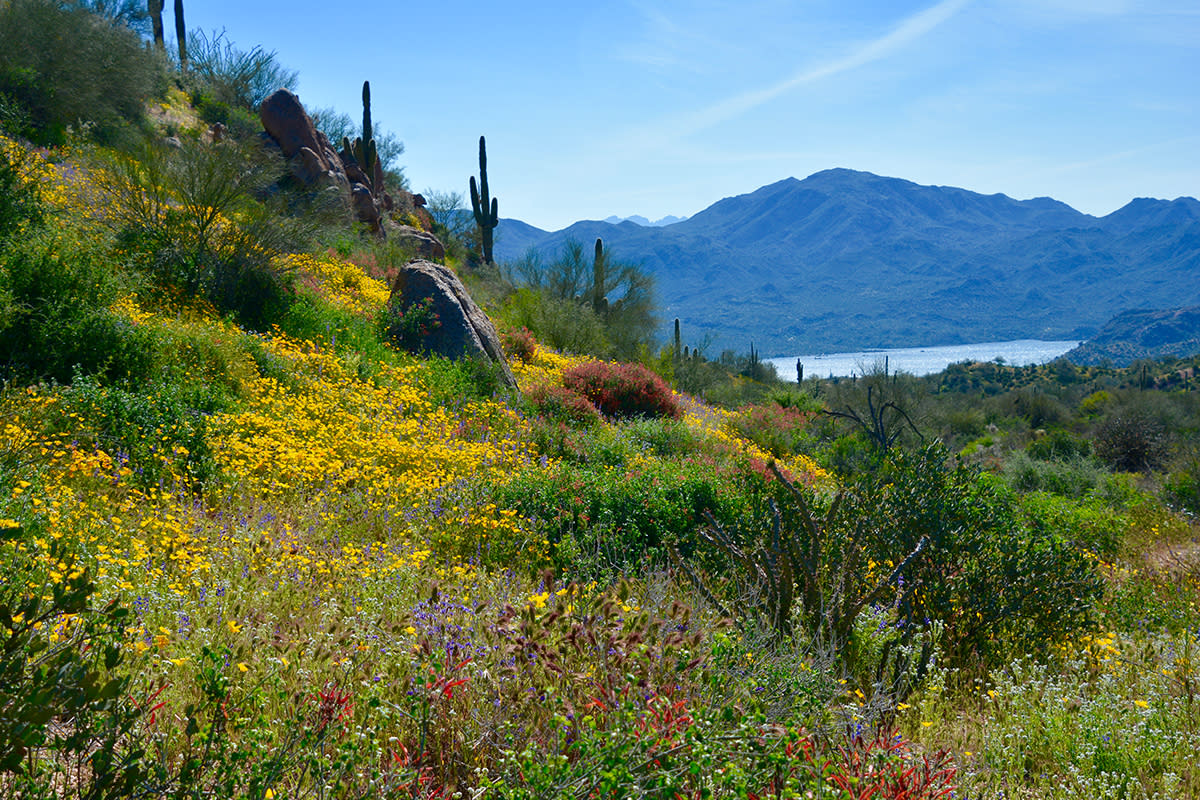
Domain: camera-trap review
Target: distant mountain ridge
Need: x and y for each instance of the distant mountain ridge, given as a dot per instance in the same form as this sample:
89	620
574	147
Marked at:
845	260
638	219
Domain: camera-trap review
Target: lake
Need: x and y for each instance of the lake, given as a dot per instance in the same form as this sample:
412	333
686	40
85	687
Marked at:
922	360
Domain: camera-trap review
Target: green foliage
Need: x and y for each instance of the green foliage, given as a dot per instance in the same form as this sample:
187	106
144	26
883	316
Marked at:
1130	440
603	519
156	431
1059	445
564	306
240	79
622	390
933	542
63	66
408	325
65	709
486	217
20	201
191	222
1076	476
55	317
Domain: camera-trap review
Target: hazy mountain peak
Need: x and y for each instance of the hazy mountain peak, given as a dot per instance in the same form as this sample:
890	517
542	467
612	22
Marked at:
638	219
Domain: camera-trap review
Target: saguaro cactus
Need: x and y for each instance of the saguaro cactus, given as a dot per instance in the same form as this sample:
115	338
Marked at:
599	279
181	35
363	148
156	23
486	218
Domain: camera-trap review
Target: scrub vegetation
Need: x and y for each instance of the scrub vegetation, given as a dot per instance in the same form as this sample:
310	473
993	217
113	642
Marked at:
249	548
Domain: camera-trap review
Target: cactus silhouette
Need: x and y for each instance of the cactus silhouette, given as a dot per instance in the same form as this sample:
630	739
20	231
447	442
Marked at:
486	218
363	148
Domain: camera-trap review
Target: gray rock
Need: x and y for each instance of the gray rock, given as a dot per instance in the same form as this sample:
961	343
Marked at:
365	208
463	329
422	243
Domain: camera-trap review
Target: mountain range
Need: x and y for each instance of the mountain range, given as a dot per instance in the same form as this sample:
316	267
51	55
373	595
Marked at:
847	260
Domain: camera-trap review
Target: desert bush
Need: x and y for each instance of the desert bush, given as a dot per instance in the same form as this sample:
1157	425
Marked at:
190	221
1059	445
235	77
1072	477
780	431
559	323
622	390
66	715
518	343
934	542
408	325
55	315
1132	441
20	197
1037	408
64	65
559	404
604	520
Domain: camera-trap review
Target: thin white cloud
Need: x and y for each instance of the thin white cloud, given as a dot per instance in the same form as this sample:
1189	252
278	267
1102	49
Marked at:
908	31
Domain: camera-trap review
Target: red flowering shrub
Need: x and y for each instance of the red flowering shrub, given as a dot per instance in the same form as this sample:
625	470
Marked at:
623	390
518	344
563	405
778	430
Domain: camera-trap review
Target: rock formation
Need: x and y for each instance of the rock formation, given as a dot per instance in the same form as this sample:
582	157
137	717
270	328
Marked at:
463	330
315	163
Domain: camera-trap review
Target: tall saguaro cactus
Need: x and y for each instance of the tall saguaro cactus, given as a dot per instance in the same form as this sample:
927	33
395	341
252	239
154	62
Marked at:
486	218
363	148
181	34
156	23
599	279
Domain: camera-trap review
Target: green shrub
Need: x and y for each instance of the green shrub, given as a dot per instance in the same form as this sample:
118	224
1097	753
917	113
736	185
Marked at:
408	326
55	317
605	520
65	66
189	219
233	77
65	711
933	542
1073	477
1059	445
1132	441
20	200
156	430
623	390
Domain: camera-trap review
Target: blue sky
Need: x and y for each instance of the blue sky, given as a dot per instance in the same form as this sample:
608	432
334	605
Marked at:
659	107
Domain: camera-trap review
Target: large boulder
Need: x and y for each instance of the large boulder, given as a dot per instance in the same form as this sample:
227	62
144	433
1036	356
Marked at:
463	330
286	122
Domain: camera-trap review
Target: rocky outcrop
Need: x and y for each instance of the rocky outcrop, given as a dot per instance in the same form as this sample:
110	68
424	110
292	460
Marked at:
422	243
463	330
365	208
315	163
311	157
